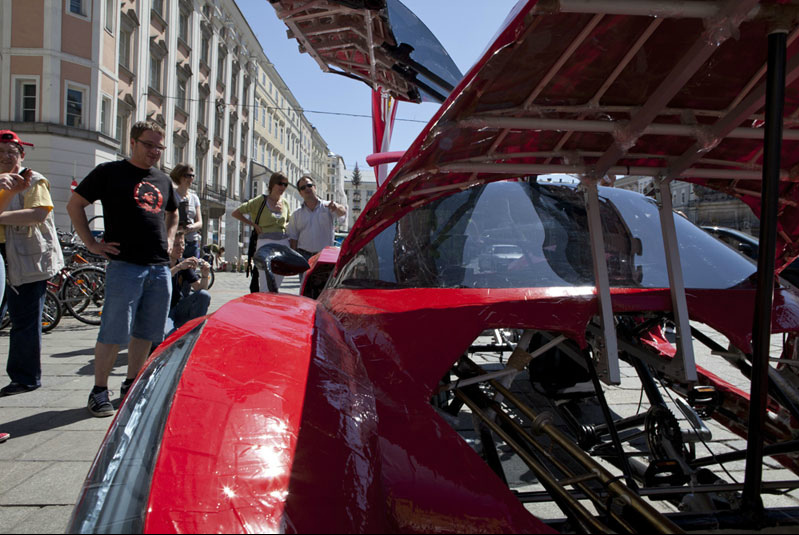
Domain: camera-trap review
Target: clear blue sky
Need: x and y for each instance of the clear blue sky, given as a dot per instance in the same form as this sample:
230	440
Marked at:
452	21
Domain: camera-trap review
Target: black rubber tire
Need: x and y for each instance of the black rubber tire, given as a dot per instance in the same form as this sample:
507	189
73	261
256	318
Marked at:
84	294
52	312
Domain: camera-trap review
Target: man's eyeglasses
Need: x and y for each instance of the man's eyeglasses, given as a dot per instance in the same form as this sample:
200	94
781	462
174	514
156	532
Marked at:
190	175
284	184
12	153
304	186
151	146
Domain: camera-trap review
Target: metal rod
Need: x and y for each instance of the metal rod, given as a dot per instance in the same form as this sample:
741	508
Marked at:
791	446
752	504
655	519
580	512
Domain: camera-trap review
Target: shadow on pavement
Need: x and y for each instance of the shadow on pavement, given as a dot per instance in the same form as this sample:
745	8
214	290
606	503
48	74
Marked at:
76	353
88	369
45	421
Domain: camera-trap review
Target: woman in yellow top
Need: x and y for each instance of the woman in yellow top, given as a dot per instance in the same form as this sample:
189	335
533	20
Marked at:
274	218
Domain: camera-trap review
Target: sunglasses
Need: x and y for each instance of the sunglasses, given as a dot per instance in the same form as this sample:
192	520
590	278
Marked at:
190	175
151	146
303	187
284	184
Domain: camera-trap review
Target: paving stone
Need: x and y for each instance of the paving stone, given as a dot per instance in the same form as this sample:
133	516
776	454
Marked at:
58	484
13	516
49	519
16	473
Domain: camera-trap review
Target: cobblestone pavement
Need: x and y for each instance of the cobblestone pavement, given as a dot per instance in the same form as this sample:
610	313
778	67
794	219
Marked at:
54	439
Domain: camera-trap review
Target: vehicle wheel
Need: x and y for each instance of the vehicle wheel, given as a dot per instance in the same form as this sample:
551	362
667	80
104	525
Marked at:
51	313
84	294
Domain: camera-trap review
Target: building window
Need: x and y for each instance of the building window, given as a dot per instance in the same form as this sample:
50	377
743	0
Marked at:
231	135
125	36
110	14
202	109
183	26
105	115
77	7
181	96
155	73
178	152
218	125
74	107
158	7
26	101
123	127
220	67
205	49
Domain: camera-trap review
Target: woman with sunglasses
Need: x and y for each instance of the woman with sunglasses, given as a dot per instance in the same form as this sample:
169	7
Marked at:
190	217
269	216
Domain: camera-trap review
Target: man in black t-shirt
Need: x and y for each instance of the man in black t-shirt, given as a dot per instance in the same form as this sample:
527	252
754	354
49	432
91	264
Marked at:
140	214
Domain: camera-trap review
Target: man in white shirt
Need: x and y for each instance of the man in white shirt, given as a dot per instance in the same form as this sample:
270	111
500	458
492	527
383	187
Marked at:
311	226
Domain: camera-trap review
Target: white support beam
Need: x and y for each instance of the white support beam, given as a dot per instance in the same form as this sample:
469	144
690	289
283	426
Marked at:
640	8
611	127
524	169
607	347
683	366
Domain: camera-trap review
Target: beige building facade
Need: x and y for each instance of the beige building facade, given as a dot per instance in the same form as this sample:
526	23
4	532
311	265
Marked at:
78	73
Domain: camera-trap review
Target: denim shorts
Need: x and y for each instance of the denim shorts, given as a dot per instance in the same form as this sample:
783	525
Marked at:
136	303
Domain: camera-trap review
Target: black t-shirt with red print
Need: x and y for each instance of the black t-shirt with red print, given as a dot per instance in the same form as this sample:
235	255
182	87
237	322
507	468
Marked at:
134	204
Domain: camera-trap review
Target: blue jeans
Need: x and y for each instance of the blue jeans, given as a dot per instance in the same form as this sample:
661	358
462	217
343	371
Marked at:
192	306
136	303
192	249
25	304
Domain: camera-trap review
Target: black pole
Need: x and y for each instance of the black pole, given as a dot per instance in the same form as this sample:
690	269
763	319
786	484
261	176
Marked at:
752	504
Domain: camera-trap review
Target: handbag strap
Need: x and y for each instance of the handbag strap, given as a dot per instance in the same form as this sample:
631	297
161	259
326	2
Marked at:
261	209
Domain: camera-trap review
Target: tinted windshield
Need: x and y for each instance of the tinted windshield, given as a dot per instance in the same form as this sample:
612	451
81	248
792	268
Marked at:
415	39
514	235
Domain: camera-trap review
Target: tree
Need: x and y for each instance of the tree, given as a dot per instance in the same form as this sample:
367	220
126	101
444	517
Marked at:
356	176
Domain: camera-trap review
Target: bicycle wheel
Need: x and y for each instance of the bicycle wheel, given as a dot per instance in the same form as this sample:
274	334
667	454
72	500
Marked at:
51	313
84	294
210	276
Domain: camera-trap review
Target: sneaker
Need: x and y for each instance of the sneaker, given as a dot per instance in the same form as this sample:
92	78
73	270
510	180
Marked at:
123	390
4	437
100	405
16	388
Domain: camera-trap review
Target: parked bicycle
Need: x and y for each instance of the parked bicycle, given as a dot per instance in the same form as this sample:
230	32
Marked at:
81	291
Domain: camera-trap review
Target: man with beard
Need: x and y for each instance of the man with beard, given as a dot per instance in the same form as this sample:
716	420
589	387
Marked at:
140	214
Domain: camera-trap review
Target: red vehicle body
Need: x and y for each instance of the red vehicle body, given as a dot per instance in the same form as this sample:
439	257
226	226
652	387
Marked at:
300	415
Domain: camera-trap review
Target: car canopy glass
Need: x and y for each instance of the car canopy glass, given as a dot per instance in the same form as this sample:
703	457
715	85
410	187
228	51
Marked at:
518	234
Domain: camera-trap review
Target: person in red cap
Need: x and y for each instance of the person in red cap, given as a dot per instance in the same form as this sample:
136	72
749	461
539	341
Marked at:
11	183
26	224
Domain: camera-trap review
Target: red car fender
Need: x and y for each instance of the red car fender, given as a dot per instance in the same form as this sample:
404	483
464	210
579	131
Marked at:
229	441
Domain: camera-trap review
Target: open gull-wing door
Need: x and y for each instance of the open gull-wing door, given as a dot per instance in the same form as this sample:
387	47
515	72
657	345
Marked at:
380	42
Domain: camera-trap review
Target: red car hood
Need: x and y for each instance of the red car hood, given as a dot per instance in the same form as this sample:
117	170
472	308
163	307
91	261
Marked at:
680	95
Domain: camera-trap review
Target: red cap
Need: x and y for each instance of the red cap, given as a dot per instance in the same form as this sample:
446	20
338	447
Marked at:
7	136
